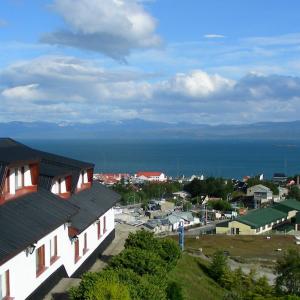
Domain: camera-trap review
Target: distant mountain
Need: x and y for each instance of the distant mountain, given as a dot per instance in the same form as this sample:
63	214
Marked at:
140	129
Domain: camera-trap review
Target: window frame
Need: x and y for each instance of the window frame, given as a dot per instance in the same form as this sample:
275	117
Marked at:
40	263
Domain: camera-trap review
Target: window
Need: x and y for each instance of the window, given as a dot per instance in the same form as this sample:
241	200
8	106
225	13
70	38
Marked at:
99	229
53	250
40	260
4	285
85	248
76	250
104	224
257	230
19	177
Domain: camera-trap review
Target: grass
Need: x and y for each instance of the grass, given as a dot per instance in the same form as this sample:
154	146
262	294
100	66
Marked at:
197	285
240	247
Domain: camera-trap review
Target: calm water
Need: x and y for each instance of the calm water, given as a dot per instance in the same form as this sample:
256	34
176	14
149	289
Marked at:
216	158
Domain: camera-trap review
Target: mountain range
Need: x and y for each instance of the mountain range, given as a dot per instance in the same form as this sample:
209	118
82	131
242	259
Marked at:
140	129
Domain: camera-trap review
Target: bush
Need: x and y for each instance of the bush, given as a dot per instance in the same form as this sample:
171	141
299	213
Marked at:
140	261
218	267
174	291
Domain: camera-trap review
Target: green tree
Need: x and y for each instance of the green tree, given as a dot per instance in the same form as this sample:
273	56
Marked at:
166	249
105	289
288	273
221	205
174	291
294	193
218	266
140	261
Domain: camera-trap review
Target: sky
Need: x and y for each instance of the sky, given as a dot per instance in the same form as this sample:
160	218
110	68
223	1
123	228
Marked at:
195	61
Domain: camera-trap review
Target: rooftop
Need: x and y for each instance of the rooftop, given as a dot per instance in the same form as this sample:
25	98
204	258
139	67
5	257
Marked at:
260	217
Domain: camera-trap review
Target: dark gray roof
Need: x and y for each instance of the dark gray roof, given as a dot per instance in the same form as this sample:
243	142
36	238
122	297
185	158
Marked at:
12	151
93	203
27	219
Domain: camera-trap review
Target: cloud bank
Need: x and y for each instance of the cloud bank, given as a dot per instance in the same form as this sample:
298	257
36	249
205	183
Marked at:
64	88
111	27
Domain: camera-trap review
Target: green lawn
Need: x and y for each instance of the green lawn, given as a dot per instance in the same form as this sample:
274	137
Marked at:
248	248
195	282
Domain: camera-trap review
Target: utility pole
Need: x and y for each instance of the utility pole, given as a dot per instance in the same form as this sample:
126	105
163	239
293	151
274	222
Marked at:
181	235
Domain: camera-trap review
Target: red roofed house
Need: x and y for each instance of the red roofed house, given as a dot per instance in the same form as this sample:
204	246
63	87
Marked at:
151	176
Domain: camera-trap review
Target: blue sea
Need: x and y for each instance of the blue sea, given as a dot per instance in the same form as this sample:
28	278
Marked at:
229	159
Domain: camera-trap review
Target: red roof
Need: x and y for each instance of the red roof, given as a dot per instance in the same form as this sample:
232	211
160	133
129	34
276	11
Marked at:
148	174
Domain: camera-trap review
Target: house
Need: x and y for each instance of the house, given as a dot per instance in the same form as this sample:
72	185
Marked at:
261	194
111	178
181	194
261	220
279	178
55	220
151	176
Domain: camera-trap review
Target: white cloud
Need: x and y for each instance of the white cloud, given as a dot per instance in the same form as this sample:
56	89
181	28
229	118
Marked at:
24	92
196	84
58	88
112	27
214	36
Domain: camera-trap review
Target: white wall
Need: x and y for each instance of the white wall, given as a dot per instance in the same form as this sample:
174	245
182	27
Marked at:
92	242
27	176
22	268
12	183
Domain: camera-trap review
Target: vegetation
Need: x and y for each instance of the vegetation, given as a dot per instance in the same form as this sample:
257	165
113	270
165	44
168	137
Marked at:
221	205
191	274
143	193
213	187
138	272
294	193
242	247
288	273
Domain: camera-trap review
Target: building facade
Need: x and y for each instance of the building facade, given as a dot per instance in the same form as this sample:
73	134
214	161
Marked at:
54	219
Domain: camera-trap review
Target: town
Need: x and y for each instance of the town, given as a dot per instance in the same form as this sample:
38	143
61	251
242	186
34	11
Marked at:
248	206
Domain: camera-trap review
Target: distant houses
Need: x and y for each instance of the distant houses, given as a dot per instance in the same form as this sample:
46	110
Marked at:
261	194
151	176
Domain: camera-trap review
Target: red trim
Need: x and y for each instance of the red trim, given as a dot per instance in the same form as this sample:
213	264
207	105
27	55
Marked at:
72	231
20	192
104	224
99	230
76	249
53	259
7	283
40	267
85	248
84	186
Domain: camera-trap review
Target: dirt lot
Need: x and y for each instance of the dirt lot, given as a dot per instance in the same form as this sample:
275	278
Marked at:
243	248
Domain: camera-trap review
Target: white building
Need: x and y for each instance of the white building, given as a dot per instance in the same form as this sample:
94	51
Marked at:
151	176
54	219
261	194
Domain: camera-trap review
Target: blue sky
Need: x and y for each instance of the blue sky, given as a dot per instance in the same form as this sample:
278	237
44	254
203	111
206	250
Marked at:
197	61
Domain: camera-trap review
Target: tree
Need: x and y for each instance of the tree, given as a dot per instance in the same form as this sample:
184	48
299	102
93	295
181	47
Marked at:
166	249
218	266
107	290
174	291
221	205
288	273
294	193
140	261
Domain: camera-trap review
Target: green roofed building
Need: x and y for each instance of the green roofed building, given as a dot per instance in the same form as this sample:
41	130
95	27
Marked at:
262	220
